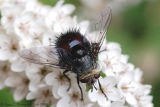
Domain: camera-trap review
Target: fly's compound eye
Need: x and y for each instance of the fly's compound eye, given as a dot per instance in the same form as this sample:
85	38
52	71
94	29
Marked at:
85	80
96	76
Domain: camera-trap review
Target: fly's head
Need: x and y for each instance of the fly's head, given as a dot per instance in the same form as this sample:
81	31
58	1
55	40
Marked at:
90	78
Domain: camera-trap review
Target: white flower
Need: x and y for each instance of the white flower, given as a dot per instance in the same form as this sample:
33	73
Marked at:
111	61
9	14
140	96
37	8
56	79
43	97
8	47
29	24
18	82
129	81
26	24
108	86
37	79
71	98
61	13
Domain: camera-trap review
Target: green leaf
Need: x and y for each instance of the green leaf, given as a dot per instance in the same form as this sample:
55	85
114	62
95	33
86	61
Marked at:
74	2
48	2
103	75
7	100
88	88
0	15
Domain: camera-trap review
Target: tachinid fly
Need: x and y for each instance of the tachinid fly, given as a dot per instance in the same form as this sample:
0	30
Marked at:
74	52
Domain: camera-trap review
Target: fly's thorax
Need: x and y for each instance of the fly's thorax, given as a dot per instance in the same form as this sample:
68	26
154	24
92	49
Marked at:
78	51
84	64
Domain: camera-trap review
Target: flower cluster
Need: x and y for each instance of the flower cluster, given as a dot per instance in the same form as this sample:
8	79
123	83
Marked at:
27	23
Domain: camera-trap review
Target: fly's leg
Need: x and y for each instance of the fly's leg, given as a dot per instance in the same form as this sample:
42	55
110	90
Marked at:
79	87
69	80
102	89
94	86
102	50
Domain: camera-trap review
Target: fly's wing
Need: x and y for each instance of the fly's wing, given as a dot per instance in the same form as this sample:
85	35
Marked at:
45	55
96	32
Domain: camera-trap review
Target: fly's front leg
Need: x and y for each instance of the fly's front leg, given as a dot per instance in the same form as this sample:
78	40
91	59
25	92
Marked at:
79	87
102	89
69	80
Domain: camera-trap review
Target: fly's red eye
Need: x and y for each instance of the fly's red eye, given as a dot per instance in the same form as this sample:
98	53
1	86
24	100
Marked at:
85	80
97	76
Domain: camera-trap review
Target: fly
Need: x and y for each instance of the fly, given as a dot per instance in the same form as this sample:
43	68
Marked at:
74	52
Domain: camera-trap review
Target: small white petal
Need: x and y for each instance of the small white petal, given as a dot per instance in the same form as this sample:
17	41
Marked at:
92	95
32	95
83	26
50	78
118	104
62	91
68	8
19	94
102	101
17	66
55	92
65	101
114	95
12	81
131	99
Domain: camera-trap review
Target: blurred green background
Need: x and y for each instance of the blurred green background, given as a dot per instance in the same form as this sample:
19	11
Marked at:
137	29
